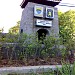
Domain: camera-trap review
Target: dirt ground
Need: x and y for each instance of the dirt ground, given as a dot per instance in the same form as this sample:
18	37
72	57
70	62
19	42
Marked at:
33	62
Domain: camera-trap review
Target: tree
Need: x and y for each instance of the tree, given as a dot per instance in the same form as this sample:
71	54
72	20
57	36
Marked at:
12	36
1	30
15	29
67	28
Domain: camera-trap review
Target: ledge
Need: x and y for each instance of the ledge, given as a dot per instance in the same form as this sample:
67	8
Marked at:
27	69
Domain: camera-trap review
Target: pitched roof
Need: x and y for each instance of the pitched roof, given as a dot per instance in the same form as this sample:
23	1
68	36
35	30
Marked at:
45	2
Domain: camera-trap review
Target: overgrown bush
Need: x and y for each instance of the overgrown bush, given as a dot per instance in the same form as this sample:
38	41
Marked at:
28	46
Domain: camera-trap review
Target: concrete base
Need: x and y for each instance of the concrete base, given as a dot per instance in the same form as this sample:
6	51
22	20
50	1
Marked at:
27	69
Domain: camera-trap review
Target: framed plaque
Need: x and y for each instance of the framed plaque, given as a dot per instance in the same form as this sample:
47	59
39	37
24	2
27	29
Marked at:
38	11
49	13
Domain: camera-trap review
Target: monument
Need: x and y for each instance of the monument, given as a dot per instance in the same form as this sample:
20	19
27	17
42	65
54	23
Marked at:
39	16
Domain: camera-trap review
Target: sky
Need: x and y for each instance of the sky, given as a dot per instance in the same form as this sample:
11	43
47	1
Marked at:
10	12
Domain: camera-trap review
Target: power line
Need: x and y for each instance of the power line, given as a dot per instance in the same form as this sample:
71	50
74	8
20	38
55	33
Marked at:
67	4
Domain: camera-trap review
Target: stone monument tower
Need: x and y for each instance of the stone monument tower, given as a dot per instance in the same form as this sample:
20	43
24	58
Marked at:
39	16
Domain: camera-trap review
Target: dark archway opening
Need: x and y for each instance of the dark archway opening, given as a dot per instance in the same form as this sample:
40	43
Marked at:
42	34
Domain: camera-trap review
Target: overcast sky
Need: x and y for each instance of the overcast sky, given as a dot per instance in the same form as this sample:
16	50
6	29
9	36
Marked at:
10	12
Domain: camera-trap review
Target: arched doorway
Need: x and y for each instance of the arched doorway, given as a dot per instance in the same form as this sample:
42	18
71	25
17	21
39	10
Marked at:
42	33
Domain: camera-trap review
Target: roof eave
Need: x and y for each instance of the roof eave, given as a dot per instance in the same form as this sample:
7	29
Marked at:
50	3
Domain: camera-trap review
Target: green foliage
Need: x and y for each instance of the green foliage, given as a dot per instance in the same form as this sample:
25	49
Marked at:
52	46
1	30
30	44
73	69
15	29
8	38
67	28
67	69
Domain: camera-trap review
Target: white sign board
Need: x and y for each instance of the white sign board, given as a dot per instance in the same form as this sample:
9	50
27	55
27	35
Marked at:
45	23
38	11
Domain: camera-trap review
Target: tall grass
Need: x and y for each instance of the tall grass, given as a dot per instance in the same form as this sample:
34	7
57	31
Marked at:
67	69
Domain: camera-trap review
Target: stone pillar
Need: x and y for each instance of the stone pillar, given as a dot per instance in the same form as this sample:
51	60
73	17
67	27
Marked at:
27	24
